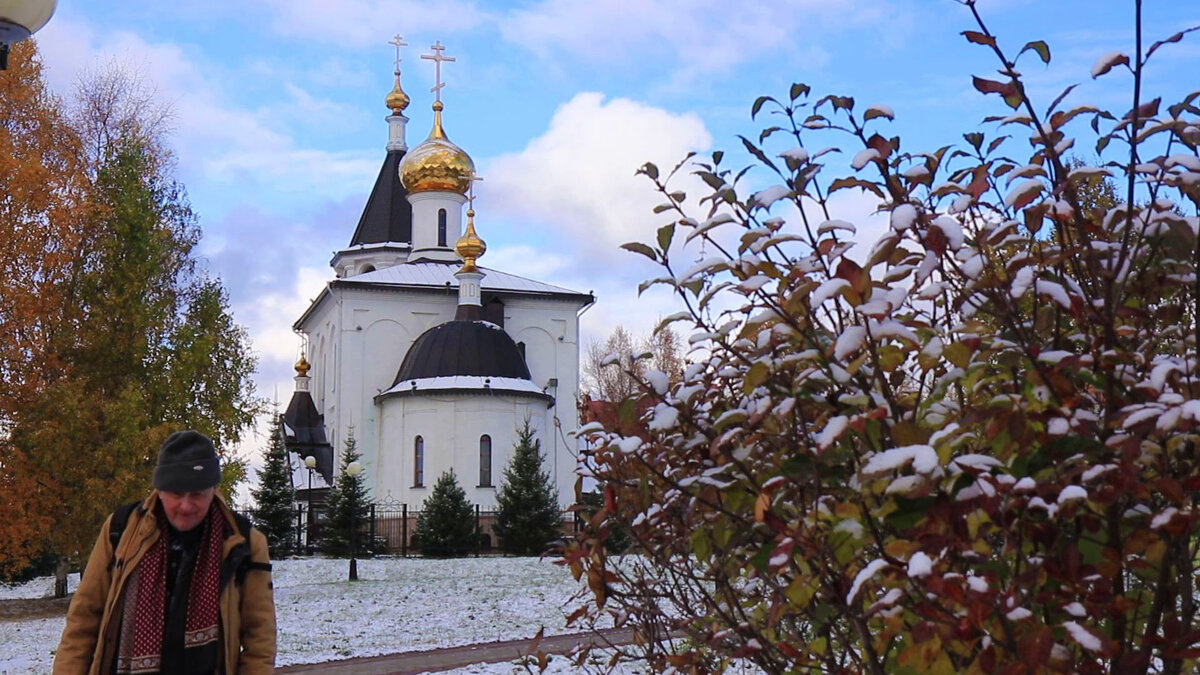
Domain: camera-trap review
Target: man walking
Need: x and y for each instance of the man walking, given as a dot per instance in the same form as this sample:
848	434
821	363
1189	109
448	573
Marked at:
176	584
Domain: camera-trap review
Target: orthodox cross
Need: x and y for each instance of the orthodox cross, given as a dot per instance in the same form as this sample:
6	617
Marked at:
471	190
437	57
399	42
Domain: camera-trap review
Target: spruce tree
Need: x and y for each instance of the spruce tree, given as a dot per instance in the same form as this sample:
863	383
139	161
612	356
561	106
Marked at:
348	506
528	517
446	524
274	498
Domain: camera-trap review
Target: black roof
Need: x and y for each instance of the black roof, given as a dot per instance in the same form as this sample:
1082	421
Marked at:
304	433
463	347
387	215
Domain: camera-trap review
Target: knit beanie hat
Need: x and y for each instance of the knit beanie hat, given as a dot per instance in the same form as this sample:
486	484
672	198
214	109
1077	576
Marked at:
187	462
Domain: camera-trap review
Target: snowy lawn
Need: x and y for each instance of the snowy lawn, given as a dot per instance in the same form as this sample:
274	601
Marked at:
397	605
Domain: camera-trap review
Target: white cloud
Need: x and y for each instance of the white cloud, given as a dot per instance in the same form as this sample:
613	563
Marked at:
577	183
528	261
705	35
215	138
270	314
362	22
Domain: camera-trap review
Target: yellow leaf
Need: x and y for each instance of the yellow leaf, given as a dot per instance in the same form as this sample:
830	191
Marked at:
907	433
958	354
900	548
1155	551
799	592
846	510
974	520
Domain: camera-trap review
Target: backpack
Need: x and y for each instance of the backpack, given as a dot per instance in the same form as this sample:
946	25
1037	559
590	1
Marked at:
240	557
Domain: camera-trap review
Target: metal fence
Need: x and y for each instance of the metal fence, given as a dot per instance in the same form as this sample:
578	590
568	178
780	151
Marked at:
390	526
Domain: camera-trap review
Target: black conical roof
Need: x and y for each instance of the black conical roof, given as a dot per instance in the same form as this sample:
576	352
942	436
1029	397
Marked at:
387	216
304	433
478	348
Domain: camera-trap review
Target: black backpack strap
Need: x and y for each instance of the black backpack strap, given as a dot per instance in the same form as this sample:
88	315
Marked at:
116	527
120	518
244	563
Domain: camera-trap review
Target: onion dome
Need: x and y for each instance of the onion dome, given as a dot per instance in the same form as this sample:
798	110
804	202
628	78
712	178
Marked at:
463	348
469	246
437	165
302	367
396	99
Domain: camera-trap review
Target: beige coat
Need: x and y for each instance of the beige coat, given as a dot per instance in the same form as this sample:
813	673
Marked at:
89	641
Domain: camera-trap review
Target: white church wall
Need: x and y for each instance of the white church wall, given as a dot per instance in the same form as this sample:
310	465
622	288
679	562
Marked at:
373	330
549	329
358	339
451	425
425	206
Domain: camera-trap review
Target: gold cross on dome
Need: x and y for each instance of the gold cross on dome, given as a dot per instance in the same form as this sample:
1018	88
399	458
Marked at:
399	42
437	57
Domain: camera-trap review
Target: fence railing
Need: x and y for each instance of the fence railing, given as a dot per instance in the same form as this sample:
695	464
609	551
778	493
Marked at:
390	527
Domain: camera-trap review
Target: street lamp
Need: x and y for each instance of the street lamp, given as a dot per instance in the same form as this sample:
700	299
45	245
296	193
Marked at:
19	19
311	463
352	470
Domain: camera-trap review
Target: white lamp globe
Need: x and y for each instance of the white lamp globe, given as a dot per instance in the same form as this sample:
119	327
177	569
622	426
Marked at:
21	18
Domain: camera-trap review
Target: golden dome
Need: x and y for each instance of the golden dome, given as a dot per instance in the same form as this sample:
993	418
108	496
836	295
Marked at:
469	246
437	164
302	367
396	99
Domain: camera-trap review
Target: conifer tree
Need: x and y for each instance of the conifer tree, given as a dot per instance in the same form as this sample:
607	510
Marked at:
446	524
528	517
348	505
274	498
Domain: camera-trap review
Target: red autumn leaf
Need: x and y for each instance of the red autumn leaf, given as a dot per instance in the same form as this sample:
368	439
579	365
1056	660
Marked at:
979	38
935	240
994	87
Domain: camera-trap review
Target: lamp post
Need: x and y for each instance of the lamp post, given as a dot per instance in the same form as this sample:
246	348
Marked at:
353	469
19	19
311	463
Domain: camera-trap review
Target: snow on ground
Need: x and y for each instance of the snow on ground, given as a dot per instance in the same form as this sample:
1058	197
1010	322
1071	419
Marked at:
561	665
41	587
397	605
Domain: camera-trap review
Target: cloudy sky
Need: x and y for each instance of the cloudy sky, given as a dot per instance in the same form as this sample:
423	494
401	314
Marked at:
279	127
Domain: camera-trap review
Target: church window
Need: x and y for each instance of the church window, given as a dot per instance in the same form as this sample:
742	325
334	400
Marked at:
485	461
419	462
441	227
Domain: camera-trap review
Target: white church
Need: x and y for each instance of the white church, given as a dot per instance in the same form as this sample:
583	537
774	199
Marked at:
432	360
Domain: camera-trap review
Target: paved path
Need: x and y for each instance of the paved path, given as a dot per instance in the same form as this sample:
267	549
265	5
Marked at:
410	663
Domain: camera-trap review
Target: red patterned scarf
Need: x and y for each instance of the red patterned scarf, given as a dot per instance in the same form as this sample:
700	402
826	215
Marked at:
143	618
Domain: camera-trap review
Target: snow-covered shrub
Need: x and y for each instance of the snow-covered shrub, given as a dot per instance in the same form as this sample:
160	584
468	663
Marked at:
968	446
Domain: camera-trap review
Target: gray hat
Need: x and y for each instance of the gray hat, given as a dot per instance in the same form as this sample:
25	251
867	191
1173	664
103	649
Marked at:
187	462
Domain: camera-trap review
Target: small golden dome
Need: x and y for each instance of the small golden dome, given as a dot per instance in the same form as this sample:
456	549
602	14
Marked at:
469	246
397	100
302	367
437	164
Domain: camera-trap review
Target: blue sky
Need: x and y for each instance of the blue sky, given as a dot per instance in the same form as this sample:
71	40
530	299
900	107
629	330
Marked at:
279	128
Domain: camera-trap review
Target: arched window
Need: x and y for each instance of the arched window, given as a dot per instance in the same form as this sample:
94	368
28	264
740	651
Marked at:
419	462
441	227
485	461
